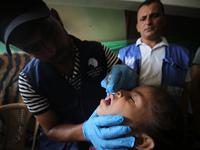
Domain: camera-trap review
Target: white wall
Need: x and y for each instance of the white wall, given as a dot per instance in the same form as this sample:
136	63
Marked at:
88	23
185	8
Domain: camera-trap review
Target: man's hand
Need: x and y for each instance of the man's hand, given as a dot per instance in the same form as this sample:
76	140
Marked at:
122	77
103	133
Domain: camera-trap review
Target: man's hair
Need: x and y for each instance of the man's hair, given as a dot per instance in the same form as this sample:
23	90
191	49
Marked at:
166	125
148	2
17	12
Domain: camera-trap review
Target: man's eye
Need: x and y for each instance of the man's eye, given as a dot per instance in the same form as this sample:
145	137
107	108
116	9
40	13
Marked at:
156	15
142	19
131	98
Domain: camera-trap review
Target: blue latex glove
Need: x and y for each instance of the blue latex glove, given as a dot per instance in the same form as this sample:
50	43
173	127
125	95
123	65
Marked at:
97	130
122	77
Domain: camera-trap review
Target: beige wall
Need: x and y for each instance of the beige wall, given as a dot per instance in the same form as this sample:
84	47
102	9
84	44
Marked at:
88	23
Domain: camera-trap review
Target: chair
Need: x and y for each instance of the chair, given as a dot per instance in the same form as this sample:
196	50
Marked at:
35	134
15	118
10	68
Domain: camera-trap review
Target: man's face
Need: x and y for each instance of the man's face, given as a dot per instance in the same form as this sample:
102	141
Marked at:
45	40
134	106
150	21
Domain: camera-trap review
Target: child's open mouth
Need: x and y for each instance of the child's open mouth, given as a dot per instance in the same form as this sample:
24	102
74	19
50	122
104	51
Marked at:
109	99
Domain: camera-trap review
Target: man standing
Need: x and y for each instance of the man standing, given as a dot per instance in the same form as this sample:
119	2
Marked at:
194	91
156	61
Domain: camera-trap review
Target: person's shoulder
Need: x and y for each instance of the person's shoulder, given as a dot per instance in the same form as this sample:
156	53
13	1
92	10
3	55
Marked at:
77	40
129	50
35	61
178	47
128	47
33	64
88	43
174	45
198	51
95	43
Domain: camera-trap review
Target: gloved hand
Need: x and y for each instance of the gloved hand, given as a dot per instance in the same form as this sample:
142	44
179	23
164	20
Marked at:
97	130
122	77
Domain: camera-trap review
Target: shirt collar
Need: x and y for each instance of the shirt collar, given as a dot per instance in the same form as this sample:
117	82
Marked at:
163	42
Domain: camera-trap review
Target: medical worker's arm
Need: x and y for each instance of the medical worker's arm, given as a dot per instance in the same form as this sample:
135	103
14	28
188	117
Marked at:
96	130
195	97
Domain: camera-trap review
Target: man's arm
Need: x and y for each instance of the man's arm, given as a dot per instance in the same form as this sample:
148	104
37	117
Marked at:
48	120
101	131
59	132
195	97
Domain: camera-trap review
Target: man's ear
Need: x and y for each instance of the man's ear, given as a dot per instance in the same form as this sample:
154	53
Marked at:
144	142
55	14
137	28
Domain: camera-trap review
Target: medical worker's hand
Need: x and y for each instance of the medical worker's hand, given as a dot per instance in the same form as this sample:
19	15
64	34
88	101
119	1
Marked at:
104	135
122	77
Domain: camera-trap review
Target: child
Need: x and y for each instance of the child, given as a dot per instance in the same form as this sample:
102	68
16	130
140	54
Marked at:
152	114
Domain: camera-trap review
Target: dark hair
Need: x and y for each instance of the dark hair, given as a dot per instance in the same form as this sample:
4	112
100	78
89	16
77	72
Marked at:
148	2
166	125
10	9
15	13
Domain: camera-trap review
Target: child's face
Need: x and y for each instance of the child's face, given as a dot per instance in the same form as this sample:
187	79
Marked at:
134	106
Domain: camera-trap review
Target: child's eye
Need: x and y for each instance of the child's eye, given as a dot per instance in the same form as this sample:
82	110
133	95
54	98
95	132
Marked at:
131	98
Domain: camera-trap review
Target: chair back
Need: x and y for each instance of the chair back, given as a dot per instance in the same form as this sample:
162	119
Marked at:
10	68
15	118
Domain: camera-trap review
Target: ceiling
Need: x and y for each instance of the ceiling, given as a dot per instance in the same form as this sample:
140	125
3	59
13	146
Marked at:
188	8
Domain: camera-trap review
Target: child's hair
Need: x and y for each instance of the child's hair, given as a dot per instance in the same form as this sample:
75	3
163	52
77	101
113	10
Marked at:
166	124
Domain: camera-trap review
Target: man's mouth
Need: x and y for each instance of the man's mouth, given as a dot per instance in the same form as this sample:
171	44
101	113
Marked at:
149	29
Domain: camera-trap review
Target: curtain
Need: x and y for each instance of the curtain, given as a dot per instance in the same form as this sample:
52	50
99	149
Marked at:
131	21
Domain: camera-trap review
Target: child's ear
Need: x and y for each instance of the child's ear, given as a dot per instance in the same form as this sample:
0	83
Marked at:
144	142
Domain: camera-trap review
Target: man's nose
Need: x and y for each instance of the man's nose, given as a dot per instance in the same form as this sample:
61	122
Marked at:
148	20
